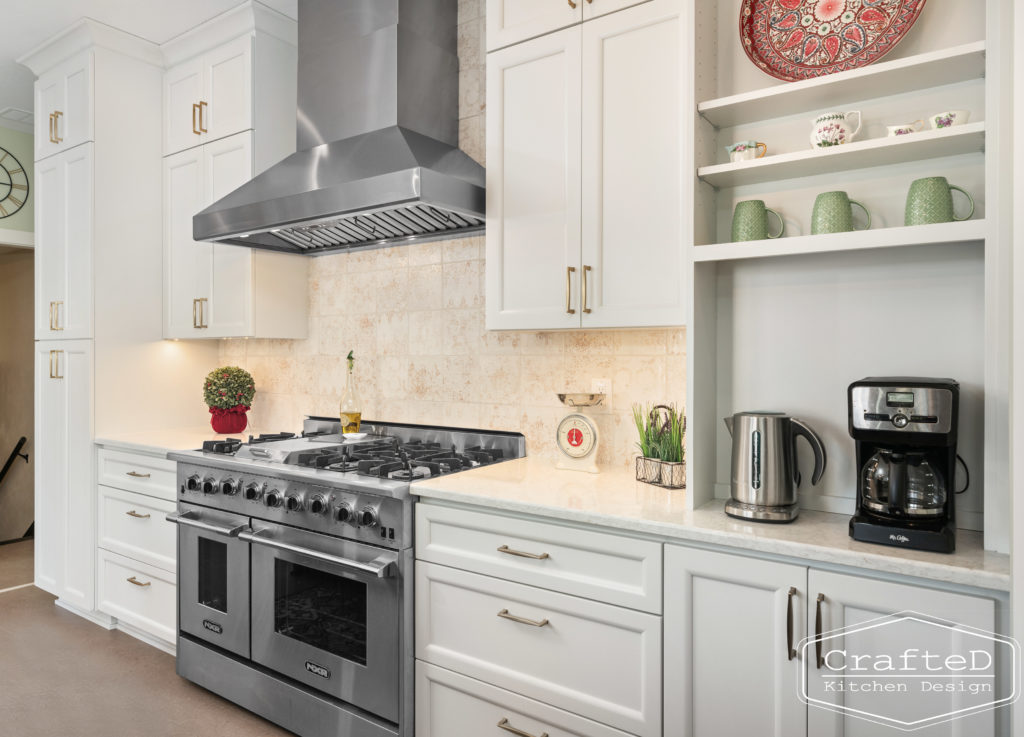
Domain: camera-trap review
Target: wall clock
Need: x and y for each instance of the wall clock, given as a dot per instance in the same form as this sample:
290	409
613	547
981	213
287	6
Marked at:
13	184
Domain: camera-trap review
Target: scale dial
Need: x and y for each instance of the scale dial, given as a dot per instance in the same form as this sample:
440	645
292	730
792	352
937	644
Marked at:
577	436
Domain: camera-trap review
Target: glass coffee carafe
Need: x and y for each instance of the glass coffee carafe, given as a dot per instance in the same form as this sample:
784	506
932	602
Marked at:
903	484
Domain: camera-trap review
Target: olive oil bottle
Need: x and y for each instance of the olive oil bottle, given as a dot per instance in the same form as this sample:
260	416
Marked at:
351	408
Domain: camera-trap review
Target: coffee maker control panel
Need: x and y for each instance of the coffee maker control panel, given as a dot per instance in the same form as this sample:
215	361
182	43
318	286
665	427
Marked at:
911	409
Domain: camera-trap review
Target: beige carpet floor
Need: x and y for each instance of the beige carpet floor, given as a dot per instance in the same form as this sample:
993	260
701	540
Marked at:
16	564
63	676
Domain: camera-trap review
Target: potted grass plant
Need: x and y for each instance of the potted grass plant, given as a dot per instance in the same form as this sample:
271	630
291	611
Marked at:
661	431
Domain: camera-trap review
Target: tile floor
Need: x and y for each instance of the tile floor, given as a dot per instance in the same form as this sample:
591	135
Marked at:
62	676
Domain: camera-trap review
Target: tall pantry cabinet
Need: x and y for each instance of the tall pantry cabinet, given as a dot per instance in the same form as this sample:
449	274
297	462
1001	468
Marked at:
101	365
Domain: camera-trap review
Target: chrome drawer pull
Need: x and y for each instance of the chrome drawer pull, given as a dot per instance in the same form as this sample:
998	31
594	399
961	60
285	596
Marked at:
509	551
138	475
503	724
136	515
137	582
522	620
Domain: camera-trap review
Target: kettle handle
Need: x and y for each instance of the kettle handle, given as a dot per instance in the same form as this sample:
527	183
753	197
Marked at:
820	457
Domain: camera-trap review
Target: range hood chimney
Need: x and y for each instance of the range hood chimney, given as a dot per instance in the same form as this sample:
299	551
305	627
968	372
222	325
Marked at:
377	131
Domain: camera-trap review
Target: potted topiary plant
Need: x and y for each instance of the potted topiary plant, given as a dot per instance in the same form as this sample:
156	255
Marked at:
228	392
661	462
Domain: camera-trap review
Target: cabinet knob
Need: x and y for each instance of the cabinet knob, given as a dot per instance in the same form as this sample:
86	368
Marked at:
572	5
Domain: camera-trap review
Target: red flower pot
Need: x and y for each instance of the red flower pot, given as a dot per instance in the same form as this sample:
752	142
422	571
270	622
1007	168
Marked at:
229	421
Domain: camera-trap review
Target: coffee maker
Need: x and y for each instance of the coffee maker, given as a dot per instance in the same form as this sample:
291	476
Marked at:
905	429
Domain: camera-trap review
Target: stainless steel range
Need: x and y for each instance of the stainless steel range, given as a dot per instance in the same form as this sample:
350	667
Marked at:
295	569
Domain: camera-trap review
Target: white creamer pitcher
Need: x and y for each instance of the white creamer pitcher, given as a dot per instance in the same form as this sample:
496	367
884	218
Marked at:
832	129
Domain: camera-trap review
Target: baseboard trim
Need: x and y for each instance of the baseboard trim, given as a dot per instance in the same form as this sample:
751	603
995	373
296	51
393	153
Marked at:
103	620
143	636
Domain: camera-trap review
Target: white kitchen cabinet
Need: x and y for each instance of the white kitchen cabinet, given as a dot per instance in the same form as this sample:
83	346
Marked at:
586	176
138	595
65	482
210	96
63	252
220	291
851	600
512	21
727	625
64	106
597	8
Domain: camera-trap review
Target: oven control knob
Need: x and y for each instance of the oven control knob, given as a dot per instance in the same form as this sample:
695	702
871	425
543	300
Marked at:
252	492
900	420
209	485
273	498
192	482
318	505
292	503
345	512
229	487
368	517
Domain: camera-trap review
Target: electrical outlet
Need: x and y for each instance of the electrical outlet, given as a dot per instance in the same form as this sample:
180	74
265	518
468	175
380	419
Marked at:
600	386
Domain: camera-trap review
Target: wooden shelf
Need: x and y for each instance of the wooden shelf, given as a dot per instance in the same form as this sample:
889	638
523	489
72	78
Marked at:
912	235
961	139
949	66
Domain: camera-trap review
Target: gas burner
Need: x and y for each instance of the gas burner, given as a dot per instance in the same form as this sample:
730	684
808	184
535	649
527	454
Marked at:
269	438
225	447
320	458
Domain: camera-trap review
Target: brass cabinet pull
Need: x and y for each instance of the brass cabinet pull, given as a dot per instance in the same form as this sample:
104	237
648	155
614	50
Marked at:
202	312
56	315
136	515
503	724
195	127
586	270
138	475
56	126
522	620
790	652
51	365
202	110
137	582
55	365
817	632
572	5
509	551
569	270
51	316
52	139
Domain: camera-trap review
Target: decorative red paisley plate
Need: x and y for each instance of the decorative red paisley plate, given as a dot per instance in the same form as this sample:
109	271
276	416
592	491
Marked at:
801	39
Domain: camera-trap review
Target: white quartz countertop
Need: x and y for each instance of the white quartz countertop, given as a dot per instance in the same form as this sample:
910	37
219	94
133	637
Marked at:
616	500
161	441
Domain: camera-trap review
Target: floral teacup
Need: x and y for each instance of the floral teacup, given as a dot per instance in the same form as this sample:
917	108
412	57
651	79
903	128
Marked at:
746	150
949	118
905	128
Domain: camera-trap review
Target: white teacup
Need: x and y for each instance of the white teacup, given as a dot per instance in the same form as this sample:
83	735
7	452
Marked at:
905	128
746	150
949	118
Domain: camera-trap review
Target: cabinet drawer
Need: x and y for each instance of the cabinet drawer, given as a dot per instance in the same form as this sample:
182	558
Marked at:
609	568
137	594
595	660
136	472
452	705
136	526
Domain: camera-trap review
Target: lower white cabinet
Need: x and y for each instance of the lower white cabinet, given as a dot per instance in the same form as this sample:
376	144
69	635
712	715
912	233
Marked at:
135	525
139	595
727	625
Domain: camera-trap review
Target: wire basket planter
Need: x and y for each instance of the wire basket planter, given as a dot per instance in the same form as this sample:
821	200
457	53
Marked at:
657	472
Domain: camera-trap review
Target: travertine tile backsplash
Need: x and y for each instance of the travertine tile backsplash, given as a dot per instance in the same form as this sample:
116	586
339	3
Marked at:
414	315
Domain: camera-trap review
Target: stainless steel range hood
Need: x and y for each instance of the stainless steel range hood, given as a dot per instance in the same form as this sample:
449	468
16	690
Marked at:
377	159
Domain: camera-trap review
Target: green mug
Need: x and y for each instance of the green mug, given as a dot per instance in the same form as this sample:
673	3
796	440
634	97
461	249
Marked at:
833	213
750	222
930	200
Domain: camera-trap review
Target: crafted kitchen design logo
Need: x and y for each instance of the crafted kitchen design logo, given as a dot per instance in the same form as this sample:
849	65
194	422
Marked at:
910	671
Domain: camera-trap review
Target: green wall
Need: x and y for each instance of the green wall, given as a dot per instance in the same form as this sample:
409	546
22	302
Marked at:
20	146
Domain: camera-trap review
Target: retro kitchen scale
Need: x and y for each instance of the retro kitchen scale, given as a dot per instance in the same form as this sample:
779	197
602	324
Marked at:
577	435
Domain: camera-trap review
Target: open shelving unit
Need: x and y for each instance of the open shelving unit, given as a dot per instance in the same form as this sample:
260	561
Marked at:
786	324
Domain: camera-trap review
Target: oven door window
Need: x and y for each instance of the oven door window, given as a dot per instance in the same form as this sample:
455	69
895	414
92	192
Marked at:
213	574
320	609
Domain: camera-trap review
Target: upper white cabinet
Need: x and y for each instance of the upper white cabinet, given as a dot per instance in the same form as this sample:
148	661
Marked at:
63	253
64	106
209	96
512	21
229	112
586	175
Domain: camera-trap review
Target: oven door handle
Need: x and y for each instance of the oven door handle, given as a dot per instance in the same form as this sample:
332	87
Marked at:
380	567
191	519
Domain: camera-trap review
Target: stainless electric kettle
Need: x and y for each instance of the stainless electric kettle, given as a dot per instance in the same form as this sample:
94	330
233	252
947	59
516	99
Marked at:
764	470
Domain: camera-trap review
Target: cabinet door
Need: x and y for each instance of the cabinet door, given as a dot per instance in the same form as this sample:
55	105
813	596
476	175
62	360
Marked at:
533	184
228	165
595	8
851	600
65	484
63	106
727	620
49	99
63	253
183	91
228	89
187	263
633	168
512	21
